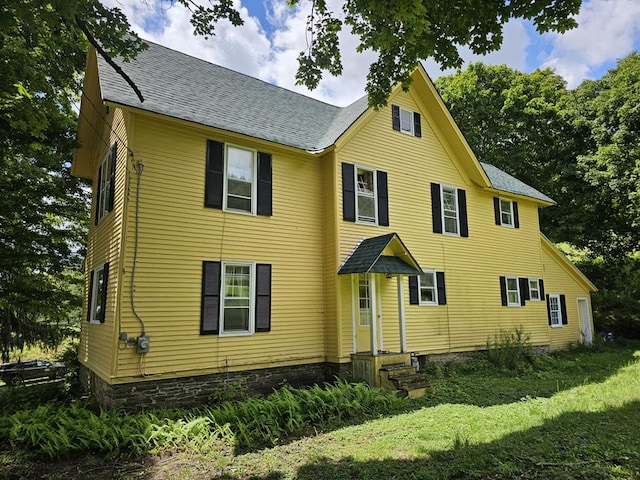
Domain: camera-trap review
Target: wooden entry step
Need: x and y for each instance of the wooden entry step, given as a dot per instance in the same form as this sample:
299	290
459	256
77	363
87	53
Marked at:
404	380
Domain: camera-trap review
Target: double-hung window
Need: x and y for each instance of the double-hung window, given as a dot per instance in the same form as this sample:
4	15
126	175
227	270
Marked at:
365	195
366	203
534	289
513	292
106	183
240	179
506	212
449	210
237	299
555	312
427	288
450	218
97	301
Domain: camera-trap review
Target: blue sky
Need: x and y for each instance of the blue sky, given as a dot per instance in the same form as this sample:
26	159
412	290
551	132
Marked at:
267	45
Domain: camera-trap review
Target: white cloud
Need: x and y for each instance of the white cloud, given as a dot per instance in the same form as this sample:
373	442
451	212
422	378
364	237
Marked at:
608	30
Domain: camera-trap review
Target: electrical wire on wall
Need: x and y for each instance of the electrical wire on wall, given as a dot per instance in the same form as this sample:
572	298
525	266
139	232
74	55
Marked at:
138	167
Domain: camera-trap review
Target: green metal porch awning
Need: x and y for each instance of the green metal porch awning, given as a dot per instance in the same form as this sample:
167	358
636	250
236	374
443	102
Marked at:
367	257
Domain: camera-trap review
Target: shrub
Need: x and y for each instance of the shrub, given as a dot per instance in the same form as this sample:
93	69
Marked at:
511	350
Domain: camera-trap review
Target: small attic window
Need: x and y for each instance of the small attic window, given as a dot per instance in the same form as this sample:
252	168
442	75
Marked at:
406	121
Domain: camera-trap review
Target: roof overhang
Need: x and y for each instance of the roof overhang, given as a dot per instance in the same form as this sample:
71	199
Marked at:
384	254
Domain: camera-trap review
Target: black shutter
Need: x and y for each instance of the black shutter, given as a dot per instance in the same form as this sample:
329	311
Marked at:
395	117
436	208
348	192
210	308
265	184
383	198
112	181
524	290
417	127
105	285
96	220
496	210
90	299
563	309
541	283
516	216
413	290
214	174
462	211
548	310
442	293
503	291
263	297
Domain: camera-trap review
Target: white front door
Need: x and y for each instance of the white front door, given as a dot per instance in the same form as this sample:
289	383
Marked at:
365	294
585	320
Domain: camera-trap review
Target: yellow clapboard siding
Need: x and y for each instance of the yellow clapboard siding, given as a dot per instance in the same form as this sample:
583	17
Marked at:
177	233
104	244
471	315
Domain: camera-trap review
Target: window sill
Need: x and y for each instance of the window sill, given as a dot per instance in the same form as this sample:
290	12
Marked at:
431	304
556	326
361	222
235	334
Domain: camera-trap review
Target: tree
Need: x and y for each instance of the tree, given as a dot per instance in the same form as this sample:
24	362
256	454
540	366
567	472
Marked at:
43	209
608	111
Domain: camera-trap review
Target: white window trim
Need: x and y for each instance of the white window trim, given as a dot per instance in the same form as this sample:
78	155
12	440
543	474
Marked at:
104	187
94	295
444	224
537	280
506	283
411	126
559	324
375	194
435	289
508	225
252	298
254	180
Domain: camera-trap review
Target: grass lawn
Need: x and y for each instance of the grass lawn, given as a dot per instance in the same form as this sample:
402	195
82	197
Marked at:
576	415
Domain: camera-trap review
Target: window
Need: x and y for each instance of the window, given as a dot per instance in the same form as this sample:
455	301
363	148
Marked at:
534	289
557	310
366	195
97	301
106	183
510	288
364	300
506	212
427	288
236	298
365	198
238	179
237	281
406	121
449	210
555	315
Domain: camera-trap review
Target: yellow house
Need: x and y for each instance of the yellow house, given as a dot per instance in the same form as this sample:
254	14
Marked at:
245	232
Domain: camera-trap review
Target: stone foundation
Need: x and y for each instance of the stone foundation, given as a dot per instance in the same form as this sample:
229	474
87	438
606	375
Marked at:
198	390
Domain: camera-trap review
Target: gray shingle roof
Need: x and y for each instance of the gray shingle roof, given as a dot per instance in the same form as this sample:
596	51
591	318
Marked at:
184	87
507	183
367	257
